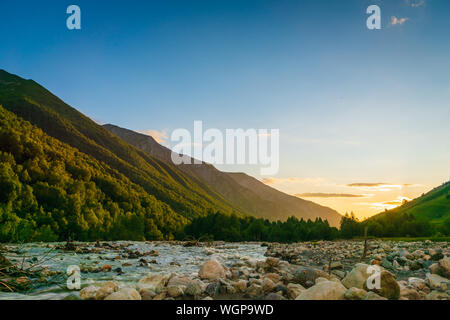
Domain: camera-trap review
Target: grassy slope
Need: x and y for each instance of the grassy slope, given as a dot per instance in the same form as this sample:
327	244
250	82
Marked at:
433	206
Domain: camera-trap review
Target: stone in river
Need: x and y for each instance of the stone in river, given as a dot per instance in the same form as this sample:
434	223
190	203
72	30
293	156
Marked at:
88	293
325	290
355	294
357	277
294	289
125	294
435	281
105	290
211	270
154	281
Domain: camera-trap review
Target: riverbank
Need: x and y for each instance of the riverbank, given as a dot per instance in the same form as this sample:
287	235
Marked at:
416	270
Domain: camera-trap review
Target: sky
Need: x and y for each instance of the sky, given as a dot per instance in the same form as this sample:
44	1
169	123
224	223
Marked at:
363	114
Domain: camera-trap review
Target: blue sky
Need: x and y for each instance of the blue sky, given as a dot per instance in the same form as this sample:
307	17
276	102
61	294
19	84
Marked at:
353	105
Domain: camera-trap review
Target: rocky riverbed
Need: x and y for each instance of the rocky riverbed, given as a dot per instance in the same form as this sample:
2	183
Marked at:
190	270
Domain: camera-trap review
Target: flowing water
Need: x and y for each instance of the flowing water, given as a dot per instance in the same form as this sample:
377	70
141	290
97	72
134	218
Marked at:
171	258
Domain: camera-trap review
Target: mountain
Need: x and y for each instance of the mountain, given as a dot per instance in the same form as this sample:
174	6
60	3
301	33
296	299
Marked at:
51	191
117	187
241	190
433	206
31	102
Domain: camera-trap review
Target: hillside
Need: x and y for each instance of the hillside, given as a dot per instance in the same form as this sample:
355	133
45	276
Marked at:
239	189
32	102
50	191
433	206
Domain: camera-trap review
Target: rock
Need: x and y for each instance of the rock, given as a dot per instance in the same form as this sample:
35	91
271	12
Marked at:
274	296
325	290
153	281
307	276
357	277
106	268
409	293
389	287
147	294
175	291
105	290
434	281
160	296
179	281
273	276
373	296
213	288
254	291
434	268
88	293
211	270
437	295
444	267
193	289
336	265
417	283
355	294
437	256
320	279
272	262
240	286
268	285
294	290
125	294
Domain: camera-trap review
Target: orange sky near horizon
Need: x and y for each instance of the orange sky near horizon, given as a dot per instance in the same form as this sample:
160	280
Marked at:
363	199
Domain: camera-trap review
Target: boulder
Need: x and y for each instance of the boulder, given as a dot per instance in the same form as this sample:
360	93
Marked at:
409	293
89	293
444	267
434	281
240	286
105	290
389	287
125	294
373	296
355	294
255	291
175	291
437	295
325	290
211	270
268	285
307	276
294	289
154	282
272	262
357	277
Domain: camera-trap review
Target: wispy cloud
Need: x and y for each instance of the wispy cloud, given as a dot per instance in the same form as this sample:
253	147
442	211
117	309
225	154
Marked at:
391	204
160	136
398	21
330	195
378	186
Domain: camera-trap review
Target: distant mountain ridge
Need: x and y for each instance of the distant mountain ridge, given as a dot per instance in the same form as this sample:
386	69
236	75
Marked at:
189	191
239	189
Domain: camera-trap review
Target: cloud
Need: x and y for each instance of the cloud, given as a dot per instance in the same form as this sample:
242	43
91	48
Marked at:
398	21
330	195
415	3
378	186
387	205
159	136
